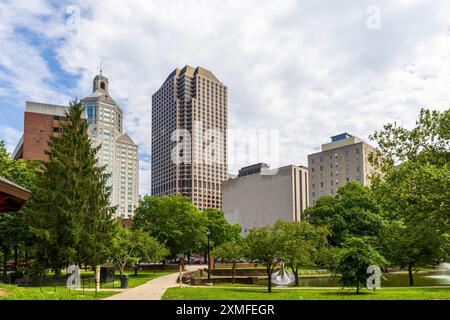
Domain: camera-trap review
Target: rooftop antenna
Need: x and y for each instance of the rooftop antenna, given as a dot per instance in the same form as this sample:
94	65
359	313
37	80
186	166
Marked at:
102	59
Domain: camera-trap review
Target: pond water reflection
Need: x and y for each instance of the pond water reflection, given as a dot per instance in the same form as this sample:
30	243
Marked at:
391	280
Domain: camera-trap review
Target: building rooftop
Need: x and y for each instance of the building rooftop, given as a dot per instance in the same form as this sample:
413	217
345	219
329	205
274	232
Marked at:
341	136
12	196
192	72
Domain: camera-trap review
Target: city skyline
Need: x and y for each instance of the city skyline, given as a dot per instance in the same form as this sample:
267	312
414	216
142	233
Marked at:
286	82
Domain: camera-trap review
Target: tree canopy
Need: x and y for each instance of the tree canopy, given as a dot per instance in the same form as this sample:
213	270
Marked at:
353	212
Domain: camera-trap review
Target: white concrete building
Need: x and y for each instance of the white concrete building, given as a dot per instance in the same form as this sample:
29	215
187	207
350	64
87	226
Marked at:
260	196
118	151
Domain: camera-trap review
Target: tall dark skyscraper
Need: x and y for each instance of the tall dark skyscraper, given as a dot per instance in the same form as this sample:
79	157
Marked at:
195	102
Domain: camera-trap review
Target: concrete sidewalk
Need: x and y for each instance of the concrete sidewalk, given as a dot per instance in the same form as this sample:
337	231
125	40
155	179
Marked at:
154	289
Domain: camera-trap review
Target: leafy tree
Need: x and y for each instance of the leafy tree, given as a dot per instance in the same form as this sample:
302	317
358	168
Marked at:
265	245
21	172
413	189
13	234
221	230
232	251
326	257
411	244
69	213
14	231
428	142
123	247
132	246
353	212
353	260
174	221
148	249
301	243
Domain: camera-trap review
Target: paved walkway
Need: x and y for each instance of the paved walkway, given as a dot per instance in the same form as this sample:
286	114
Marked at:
154	289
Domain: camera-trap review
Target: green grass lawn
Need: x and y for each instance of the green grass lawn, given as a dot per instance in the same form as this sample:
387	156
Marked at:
11	292
49	293
134	281
254	293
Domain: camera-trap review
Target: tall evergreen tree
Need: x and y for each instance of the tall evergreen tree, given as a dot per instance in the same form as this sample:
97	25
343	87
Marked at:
70	213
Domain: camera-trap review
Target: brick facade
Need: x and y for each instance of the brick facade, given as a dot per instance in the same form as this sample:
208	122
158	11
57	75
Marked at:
38	128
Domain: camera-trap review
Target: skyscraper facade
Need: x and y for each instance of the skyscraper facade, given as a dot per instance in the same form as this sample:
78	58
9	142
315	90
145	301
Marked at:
117	150
344	159
191	107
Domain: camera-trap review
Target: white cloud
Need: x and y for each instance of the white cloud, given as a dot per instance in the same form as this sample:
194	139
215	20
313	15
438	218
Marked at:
23	68
10	136
309	68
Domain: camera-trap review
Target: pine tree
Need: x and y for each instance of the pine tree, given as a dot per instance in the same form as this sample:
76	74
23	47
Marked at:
70	213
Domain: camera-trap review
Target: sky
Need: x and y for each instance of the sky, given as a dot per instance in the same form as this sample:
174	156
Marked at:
306	69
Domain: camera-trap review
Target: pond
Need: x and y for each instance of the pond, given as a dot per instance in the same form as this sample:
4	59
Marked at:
387	280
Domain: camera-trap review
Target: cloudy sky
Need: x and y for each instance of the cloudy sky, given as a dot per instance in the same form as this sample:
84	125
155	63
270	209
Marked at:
310	69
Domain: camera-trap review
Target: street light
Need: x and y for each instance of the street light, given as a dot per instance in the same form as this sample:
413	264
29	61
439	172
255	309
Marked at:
208	233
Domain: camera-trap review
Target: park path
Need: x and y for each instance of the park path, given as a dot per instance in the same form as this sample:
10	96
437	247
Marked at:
154	289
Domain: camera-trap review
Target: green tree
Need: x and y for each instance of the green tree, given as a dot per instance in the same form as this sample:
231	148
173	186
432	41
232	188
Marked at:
21	172
353	260
326	258
232	251
148	249
13	235
428	142
301	244
14	230
133	246
353	212
69	212
221	230
265	245
123	247
174	221
413	189
411	244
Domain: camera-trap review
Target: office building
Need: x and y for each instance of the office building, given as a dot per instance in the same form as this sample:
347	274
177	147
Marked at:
117	150
261	196
41	121
344	159
195	101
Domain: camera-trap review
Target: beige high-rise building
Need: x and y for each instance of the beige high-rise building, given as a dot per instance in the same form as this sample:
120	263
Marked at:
195	102
118	151
261	196
344	159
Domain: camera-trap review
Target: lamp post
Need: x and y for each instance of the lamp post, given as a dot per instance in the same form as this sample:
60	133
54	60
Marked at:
208	233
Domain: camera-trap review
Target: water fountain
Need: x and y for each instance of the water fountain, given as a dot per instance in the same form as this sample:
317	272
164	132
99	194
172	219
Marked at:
444	274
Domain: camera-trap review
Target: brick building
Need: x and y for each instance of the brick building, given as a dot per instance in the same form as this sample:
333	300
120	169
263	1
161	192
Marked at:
41	121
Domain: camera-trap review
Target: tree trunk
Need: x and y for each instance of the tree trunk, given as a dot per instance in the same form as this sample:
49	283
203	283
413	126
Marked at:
269	280
57	271
136	267
233	270
357	286
411	278
295	272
